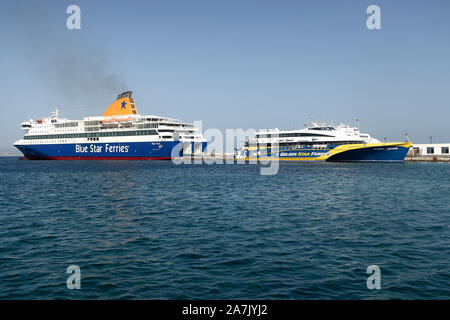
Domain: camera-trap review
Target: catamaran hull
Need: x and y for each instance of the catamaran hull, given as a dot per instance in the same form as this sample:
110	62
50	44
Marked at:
372	154
376	152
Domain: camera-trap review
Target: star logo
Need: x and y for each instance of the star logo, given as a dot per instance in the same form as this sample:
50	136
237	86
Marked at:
123	105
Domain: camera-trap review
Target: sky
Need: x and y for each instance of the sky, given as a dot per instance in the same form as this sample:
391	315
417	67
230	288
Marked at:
232	64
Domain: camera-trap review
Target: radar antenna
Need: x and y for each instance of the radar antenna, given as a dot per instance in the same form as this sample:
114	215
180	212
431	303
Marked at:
55	113
407	138
314	123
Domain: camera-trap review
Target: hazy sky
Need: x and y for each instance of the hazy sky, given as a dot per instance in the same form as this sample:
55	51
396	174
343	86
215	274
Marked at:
232	63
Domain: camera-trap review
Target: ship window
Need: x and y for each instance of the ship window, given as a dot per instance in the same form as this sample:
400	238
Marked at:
91	135
430	150
291	135
444	150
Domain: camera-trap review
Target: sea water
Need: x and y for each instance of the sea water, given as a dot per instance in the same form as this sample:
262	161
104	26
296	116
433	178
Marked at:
156	230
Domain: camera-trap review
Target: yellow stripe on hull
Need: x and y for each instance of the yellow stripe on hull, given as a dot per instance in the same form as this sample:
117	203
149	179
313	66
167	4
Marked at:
330	153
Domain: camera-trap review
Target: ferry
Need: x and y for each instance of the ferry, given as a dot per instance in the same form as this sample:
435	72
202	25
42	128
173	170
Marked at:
120	134
323	142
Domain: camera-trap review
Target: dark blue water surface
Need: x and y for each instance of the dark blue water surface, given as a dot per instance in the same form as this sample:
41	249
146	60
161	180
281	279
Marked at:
155	230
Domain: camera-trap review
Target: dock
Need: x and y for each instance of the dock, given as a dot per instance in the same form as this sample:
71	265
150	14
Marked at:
426	159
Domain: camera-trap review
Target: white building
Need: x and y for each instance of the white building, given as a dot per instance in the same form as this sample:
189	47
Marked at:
430	149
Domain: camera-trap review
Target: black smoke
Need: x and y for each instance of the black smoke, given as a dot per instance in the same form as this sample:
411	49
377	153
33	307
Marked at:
70	64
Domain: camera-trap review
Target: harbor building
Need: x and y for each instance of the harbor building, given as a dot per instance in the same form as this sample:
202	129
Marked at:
430	150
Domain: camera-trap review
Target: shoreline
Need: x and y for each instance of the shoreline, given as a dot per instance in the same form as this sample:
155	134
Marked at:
427	159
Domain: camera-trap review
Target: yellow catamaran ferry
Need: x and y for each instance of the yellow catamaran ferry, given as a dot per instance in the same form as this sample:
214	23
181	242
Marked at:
322	142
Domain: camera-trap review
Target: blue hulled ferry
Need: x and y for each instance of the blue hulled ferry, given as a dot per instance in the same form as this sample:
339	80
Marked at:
120	134
322	142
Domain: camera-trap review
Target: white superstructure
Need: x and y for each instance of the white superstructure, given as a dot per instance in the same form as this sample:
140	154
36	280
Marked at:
316	134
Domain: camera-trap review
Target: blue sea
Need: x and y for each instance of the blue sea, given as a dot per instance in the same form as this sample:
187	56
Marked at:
156	230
